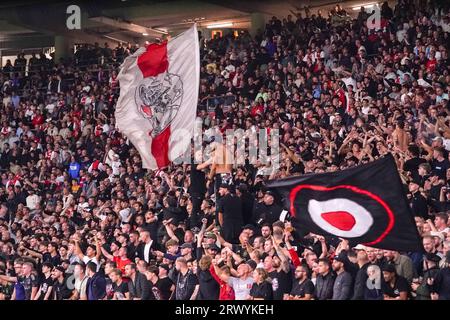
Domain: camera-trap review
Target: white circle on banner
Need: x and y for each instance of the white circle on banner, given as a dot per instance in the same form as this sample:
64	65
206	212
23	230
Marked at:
341	217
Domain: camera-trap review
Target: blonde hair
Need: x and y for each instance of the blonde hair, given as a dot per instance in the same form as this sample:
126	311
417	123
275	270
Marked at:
171	242
205	263
263	273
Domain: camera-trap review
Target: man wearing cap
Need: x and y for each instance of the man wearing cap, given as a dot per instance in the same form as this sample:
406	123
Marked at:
417	201
343	284
164	284
403	264
60	287
229	214
422	288
186	251
394	287
267	211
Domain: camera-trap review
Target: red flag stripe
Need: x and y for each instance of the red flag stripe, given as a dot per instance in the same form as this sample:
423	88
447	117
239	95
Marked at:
154	60
160	148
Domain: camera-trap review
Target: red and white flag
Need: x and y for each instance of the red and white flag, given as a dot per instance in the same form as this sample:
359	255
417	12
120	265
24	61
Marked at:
157	106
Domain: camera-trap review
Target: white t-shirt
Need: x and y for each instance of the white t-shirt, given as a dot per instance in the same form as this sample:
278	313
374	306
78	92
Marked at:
241	287
32	201
125	215
80	286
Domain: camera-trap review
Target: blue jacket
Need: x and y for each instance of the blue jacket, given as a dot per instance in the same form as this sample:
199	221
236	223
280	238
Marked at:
96	287
74	170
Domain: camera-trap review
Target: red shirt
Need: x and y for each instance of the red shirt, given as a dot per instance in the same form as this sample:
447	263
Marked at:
121	263
226	291
431	65
259	109
37	121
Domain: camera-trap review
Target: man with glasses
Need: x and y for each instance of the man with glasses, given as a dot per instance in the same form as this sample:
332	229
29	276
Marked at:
302	288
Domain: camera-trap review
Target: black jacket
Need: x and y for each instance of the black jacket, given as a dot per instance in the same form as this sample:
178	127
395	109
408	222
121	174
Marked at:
360	283
208	287
324	286
263	213
174	213
140	251
419	205
140	288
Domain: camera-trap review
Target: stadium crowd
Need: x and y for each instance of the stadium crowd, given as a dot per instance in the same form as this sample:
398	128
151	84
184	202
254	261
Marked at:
81	220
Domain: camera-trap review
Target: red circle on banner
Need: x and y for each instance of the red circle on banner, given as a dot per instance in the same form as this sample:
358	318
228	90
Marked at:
390	214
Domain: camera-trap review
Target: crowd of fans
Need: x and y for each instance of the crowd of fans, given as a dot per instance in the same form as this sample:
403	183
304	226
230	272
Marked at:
81	219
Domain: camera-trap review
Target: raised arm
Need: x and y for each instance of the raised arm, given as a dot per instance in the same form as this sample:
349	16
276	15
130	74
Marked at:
281	255
205	164
169	230
33	253
106	254
8	278
215	271
98	250
77	250
222	240
294	256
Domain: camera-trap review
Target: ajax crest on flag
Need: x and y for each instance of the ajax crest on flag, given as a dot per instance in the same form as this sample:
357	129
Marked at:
158	99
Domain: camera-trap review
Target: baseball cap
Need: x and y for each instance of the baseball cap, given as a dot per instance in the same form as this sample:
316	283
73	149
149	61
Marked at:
186	245
164	266
214	247
60	268
340	257
360	247
388	268
210	235
432	257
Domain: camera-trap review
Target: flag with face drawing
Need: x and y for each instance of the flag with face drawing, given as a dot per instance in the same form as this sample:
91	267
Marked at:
365	205
157	105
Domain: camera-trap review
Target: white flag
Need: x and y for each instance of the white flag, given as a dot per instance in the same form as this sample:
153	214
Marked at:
157	106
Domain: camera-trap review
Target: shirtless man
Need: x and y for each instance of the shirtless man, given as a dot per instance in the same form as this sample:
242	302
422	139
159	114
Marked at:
400	137
220	164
